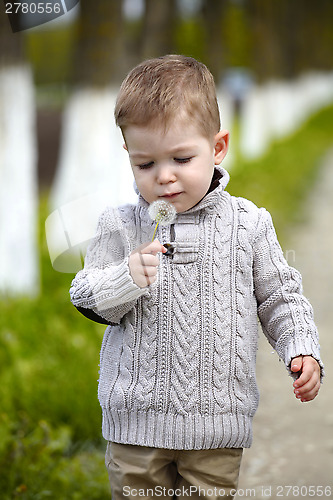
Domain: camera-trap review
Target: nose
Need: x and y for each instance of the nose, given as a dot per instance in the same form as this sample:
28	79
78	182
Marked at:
165	174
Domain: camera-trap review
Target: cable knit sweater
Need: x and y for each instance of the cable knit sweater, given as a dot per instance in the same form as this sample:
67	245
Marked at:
177	365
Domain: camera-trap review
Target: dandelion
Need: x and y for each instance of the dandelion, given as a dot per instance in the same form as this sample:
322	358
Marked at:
162	212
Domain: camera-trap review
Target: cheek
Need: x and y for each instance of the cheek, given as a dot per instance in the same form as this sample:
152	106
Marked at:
140	179
145	187
200	180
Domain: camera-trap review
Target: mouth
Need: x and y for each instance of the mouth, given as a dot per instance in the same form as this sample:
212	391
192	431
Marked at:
170	196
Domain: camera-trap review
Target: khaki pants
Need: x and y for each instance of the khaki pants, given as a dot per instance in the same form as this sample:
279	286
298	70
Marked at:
139	472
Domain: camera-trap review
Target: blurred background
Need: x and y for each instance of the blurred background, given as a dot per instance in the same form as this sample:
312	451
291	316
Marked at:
61	154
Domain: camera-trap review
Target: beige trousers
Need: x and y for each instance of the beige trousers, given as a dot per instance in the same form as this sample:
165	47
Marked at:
139	472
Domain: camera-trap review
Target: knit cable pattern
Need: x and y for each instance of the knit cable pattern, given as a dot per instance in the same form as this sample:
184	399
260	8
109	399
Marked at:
177	367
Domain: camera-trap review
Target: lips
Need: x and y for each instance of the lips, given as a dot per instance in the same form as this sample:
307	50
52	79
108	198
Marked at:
169	195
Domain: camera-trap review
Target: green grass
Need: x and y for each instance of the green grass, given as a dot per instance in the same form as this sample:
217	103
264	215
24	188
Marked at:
50	419
281	180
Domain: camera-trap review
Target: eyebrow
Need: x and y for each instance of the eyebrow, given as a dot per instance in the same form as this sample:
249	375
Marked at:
177	149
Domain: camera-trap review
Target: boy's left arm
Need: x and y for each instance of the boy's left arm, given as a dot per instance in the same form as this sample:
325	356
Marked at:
307	386
285	314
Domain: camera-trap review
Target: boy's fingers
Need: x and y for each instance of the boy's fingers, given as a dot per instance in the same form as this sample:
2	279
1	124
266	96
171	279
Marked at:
152	248
302	380
306	386
310	370
149	270
148	260
308	394
296	364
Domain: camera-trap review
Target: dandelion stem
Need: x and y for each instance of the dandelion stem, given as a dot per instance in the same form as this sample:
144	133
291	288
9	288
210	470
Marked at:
155	230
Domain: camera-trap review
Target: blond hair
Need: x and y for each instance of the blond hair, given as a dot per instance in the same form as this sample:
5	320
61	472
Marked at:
174	86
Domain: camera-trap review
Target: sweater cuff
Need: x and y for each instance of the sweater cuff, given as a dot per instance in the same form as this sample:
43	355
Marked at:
108	287
291	348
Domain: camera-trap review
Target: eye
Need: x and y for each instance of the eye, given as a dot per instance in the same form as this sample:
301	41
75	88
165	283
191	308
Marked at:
144	166
183	160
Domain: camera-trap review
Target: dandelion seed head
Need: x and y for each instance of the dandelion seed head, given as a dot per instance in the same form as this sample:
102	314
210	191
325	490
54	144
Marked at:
162	211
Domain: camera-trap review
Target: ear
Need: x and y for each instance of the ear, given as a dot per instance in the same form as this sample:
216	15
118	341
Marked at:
221	144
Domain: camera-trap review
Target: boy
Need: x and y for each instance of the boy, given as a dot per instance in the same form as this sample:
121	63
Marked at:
177	375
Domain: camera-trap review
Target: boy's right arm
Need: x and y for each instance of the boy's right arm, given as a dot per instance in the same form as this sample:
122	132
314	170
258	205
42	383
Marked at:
113	278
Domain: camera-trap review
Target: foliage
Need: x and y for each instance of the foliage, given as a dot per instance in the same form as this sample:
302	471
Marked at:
190	39
51	54
238	48
42	463
272	39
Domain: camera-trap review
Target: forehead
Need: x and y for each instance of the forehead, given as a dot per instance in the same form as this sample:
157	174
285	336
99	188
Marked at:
176	130
170	118
141	140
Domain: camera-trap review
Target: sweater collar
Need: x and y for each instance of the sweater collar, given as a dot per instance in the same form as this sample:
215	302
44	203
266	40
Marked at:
219	182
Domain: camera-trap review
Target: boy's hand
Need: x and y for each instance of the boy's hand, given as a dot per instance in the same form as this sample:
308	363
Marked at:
143	263
307	386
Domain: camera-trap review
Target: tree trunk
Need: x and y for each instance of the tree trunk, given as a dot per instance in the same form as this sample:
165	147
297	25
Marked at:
212	11
158	28
18	169
100	43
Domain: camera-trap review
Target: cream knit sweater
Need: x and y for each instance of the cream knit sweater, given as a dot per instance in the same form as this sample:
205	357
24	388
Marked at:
177	367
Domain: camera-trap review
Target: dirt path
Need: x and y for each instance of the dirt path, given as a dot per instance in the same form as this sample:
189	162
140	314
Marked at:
293	441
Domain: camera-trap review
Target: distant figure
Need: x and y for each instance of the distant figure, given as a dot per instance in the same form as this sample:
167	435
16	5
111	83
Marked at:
238	82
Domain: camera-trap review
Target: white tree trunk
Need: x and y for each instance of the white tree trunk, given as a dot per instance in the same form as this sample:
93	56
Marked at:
255	130
227	121
93	172
19	270
91	156
279	108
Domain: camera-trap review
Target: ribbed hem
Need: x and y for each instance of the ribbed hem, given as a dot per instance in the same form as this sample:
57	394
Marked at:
177	432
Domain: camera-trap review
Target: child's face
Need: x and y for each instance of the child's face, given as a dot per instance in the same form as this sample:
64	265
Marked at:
176	165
